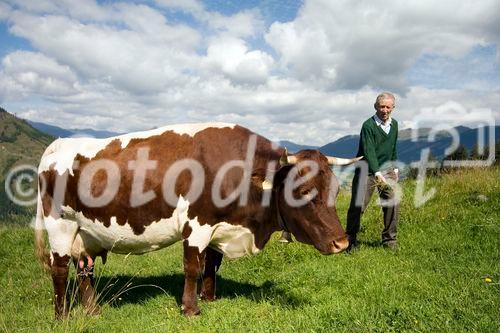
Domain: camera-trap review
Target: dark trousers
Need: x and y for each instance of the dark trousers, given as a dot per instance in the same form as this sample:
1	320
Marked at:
362	190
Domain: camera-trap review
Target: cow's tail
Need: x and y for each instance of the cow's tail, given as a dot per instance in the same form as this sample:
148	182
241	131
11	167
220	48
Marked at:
41	251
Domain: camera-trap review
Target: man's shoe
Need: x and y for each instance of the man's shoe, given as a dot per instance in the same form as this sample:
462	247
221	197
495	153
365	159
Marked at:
391	245
353	243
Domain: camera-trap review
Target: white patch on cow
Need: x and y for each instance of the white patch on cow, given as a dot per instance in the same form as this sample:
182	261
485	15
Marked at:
77	235
117	238
61	233
121	238
62	152
233	240
200	235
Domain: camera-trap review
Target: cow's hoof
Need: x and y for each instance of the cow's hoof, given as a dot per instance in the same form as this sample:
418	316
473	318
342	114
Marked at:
189	312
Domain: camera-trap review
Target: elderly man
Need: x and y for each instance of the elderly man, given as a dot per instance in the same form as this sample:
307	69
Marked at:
377	144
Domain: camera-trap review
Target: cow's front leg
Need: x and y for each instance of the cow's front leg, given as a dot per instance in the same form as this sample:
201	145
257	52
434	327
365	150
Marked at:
213	261
193	267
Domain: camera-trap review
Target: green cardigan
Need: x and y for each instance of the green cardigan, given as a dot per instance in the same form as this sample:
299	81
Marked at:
376	146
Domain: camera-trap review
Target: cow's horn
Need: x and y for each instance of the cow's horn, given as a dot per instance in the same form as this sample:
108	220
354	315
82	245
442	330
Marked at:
267	185
342	161
287	159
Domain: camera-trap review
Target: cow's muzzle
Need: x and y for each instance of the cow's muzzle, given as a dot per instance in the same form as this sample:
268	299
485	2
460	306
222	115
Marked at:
340	245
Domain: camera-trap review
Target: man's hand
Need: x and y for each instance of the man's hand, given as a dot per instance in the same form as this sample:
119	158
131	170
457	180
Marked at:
380	178
393	175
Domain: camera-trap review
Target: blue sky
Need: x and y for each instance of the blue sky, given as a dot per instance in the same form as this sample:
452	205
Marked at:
305	71
9	42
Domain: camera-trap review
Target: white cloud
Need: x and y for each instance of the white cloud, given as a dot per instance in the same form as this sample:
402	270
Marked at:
124	67
4	11
424	107
345	44
41	6
27	72
86	9
133	60
247	23
232	57
190	6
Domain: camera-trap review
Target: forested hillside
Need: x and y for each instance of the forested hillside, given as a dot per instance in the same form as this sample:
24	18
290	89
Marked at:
20	144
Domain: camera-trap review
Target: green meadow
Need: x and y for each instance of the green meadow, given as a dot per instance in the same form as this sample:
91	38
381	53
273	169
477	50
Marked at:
445	277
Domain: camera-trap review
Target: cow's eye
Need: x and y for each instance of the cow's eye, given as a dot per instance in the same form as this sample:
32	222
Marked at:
309	196
305	192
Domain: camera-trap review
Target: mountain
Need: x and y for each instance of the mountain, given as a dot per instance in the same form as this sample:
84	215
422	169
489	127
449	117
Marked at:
59	132
346	146
19	141
409	150
51	130
20	144
292	147
423	133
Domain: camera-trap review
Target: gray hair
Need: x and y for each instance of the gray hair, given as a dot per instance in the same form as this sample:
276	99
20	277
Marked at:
385	95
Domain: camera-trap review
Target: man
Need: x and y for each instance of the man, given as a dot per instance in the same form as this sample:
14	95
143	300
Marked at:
377	145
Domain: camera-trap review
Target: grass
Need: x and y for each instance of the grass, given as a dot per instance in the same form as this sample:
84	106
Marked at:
437	281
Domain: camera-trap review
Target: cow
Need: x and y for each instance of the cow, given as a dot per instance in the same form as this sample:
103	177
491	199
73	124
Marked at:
219	188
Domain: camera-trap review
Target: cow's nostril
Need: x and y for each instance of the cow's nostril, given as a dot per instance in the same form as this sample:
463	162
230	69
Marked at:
340	245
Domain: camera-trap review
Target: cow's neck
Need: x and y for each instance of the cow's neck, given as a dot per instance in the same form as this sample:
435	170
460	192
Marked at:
268	224
282	225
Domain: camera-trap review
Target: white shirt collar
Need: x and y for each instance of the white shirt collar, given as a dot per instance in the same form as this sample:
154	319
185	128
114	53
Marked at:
380	122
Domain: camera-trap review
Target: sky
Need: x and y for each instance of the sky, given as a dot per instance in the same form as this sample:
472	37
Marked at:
306	71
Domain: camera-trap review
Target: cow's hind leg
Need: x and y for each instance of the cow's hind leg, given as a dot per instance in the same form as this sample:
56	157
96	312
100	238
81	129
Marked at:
61	234
85	278
59	270
213	260
193	267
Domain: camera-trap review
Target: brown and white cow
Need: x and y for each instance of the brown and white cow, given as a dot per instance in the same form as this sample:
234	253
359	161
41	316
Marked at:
219	188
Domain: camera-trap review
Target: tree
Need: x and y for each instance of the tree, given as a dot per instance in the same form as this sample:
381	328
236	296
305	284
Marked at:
460	154
475	154
412	172
497	153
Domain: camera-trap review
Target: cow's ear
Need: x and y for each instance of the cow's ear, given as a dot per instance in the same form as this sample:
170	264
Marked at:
286	159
